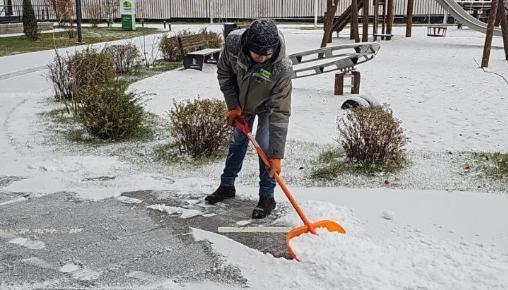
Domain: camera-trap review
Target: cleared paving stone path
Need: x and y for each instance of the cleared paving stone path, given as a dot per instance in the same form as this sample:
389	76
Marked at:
59	240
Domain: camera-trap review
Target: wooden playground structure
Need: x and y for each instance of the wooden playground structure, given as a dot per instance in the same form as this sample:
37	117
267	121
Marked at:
382	22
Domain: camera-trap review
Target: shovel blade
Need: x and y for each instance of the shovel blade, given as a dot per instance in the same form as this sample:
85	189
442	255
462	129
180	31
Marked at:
329	225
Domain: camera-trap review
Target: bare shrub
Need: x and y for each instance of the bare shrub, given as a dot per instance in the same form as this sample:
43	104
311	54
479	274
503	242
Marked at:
149	57
61	77
70	74
169	48
64	11
94	13
199	127
91	68
110	8
125	57
372	136
212	39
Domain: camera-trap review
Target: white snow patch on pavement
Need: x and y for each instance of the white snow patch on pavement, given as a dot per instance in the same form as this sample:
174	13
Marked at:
171	210
69	268
38	262
129	200
28	243
85	274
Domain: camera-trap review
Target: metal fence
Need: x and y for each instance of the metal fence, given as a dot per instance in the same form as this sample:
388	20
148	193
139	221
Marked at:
15	11
223	9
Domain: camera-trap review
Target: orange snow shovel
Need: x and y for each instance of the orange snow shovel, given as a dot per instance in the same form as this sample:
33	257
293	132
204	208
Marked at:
308	227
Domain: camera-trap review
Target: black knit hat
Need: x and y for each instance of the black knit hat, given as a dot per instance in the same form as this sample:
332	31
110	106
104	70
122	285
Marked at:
262	36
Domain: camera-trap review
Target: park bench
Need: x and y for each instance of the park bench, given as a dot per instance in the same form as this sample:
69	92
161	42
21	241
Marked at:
194	52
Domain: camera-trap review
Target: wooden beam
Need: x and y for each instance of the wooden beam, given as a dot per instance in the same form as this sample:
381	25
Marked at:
504	28
365	24
376	16
383	19
490	32
354	20
389	20
328	21
409	24
355	82
339	84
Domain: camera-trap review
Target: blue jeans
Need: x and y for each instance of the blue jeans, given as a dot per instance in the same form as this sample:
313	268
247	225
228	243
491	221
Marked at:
236	154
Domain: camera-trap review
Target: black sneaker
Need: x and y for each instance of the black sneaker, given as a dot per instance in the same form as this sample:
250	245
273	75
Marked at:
222	193
264	207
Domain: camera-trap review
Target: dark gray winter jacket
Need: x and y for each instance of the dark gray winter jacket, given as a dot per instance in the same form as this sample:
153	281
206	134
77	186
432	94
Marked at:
258	88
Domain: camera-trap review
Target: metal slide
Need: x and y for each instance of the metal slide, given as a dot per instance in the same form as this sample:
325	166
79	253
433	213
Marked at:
462	16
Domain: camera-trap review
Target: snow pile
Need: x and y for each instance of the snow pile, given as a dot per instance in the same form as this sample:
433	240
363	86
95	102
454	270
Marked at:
347	261
320	210
352	261
171	210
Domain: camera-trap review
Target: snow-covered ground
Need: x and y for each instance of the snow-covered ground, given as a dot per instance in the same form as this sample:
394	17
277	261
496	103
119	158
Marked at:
429	239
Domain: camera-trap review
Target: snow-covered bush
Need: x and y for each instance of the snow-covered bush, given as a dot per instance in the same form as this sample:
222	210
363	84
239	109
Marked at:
108	112
372	136
125	57
199	127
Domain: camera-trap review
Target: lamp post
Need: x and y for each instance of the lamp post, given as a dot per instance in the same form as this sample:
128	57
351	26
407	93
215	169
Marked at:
78	20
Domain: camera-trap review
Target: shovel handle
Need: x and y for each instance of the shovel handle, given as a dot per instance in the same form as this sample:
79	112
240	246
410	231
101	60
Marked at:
241	124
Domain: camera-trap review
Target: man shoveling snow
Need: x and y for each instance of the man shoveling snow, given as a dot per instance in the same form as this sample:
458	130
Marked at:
255	75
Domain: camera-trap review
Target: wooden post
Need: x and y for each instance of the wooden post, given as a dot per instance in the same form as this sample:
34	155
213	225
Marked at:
354	20
339	84
409	24
389	20
504	28
383	19
376	16
498	17
489	34
355	82
328	22
365	24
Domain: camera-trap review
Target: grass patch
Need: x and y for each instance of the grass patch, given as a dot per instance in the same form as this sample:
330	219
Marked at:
60	116
169	154
21	44
493	165
142	72
332	163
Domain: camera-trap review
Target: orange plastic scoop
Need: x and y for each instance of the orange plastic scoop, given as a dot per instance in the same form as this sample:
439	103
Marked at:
308	226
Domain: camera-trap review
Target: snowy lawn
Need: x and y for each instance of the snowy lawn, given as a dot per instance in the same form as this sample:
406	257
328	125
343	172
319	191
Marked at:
420	235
